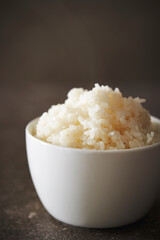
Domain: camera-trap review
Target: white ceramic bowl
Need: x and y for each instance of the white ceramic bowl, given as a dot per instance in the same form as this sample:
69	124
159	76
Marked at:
93	188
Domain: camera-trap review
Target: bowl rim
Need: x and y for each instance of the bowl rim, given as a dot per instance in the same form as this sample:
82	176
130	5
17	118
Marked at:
84	150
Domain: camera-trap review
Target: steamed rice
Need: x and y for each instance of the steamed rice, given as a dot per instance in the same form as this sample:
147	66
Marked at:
99	119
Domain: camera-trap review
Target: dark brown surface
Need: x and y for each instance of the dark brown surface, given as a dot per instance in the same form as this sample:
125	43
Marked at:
46	49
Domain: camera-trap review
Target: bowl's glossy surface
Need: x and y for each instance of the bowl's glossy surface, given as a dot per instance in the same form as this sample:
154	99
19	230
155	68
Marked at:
91	188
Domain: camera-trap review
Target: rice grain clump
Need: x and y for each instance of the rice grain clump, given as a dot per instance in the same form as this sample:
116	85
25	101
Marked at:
99	119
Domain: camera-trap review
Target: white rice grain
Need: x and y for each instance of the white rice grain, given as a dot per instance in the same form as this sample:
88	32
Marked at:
99	119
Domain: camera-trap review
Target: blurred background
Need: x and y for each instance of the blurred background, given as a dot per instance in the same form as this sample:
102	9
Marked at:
49	47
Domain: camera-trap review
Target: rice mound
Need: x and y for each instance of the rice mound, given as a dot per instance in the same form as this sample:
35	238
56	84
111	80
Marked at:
100	119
